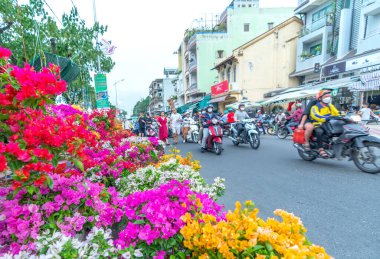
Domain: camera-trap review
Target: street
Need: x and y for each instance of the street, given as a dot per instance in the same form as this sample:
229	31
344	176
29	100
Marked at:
338	204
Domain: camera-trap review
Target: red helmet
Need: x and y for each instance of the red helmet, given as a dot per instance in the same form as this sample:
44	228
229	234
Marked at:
322	93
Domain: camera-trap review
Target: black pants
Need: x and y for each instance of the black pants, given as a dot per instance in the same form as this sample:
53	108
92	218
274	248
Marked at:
319	131
239	128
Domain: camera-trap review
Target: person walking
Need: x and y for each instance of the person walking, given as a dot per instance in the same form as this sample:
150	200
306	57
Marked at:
163	131
175	122
366	114
141	122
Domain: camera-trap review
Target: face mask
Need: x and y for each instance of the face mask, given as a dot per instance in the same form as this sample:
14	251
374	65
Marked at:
242	109
326	100
209	110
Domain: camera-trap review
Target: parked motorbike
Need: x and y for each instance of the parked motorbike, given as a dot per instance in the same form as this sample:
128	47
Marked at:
345	138
214	139
283	132
193	134
250	135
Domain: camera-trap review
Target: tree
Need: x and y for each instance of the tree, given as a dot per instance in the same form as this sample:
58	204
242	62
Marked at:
141	106
28	29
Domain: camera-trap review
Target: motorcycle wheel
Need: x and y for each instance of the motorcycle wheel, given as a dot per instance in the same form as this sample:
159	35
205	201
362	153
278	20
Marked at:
306	156
270	131
236	143
195	138
218	148
282	133
255	142
374	158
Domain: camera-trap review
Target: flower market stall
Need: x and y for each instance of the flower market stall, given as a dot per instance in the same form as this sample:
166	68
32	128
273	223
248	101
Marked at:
81	187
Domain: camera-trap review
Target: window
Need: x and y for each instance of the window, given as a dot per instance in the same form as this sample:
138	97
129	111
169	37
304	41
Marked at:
321	13
234	71
229	74
246	26
270	25
220	54
316	50
243	5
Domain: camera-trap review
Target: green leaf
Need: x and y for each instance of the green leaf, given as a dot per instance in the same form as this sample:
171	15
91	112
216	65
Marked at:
79	164
268	247
50	182
30	189
139	222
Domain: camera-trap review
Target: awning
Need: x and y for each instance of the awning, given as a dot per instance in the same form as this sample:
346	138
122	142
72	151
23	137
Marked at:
204	102
218	99
248	104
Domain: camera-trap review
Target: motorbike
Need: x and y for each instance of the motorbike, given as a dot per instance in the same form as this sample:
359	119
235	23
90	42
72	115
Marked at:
249	135
193	134
283	132
345	138
214	139
151	130
226	129
271	127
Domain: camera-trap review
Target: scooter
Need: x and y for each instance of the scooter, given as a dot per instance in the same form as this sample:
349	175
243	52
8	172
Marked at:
283	132
214	139
250	135
193	134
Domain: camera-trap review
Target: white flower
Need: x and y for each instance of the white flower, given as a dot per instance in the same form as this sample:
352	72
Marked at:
138	253
126	255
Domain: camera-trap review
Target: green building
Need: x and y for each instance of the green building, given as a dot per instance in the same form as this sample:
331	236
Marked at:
213	40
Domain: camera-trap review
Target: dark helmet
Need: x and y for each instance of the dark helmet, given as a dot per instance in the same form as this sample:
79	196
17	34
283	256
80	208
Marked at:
241	105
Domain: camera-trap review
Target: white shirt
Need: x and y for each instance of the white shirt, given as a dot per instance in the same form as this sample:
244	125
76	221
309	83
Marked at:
176	119
187	121
366	114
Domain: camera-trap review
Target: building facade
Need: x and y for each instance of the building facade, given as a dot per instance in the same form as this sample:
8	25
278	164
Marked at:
259	66
203	46
156	103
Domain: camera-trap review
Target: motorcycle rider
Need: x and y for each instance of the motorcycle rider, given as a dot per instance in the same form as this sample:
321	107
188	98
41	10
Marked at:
230	116
260	118
187	121
209	115
295	117
319	114
240	115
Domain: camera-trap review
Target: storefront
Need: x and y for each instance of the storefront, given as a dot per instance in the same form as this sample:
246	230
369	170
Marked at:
222	96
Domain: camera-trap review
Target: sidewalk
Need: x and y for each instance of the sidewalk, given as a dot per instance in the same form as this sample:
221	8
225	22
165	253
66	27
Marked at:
374	130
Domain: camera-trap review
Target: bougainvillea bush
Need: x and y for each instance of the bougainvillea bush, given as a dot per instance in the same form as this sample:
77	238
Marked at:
82	187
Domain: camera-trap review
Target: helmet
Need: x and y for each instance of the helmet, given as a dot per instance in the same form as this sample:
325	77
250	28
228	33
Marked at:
210	106
322	93
241	104
230	109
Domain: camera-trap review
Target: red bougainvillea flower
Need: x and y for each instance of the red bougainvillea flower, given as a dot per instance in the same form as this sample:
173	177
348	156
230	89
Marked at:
40	181
3	163
5	53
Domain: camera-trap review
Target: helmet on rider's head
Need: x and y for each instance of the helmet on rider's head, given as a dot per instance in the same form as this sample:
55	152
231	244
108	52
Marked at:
322	93
241	105
230	109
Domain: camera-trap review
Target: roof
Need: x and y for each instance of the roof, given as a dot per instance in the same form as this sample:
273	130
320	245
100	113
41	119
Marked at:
232	57
268	33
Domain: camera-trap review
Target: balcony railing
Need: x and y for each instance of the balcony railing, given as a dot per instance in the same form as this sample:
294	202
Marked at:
316	25
372	33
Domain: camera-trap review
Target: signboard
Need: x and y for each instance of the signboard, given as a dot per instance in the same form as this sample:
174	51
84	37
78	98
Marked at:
334	69
220	88
317	67
366	61
101	91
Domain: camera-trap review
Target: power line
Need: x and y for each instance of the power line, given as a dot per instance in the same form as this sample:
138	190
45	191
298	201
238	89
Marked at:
53	13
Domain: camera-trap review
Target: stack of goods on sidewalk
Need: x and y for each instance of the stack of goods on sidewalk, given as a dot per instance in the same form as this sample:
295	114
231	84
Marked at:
83	188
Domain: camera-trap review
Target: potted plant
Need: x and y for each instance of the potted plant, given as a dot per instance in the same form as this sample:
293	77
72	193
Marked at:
304	55
318	50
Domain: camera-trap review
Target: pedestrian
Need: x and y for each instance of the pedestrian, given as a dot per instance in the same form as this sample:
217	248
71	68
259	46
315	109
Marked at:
187	121
175	122
141	122
366	113
163	131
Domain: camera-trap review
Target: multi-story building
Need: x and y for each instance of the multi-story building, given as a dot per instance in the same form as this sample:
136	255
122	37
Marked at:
156	103
338	45
259	66
203	45
168	86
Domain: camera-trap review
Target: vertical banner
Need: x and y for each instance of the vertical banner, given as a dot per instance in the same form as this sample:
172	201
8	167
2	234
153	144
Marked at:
101	91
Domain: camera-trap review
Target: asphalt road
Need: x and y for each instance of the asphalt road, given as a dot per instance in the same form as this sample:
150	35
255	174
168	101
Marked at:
338	204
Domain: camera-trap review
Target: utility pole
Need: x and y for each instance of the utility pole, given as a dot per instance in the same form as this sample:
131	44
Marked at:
115	84
97	37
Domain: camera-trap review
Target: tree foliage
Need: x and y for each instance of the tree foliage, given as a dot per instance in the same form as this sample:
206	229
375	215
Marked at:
28	30
141	106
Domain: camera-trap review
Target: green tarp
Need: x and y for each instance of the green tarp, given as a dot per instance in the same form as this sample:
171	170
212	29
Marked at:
204	102
69	70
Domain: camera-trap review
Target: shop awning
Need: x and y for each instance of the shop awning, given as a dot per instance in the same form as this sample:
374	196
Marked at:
204	102
218	99
248	104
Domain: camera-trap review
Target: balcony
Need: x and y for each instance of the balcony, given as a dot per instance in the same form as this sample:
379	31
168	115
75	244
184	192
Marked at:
367	43
371	7
193	66
305	6
316	25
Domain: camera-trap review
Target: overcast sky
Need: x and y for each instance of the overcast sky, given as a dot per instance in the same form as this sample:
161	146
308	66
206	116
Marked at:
146	33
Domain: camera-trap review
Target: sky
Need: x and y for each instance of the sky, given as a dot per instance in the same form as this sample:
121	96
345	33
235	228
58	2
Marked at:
146	34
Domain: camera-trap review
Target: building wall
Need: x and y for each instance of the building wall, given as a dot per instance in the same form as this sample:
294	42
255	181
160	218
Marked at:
168	91
266	64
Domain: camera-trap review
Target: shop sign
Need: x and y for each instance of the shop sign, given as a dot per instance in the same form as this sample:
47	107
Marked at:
334	69
220	88
366	61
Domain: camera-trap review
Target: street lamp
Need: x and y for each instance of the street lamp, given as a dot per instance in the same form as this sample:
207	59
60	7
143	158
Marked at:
119	81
